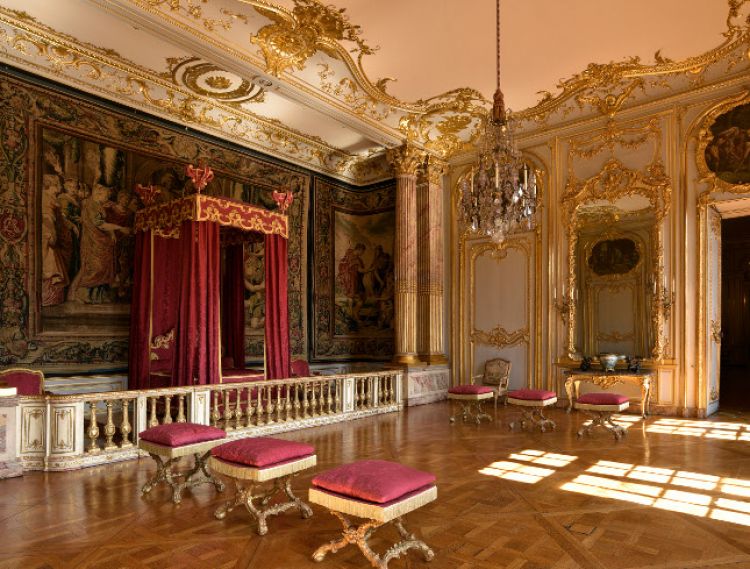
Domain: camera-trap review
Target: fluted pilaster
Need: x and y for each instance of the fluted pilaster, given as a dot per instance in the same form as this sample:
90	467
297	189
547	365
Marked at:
430	280
406	161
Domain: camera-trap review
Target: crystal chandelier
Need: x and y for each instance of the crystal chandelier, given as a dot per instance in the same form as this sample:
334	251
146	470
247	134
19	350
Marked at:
498	196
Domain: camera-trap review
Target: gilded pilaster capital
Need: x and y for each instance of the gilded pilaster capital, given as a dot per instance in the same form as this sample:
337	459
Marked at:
406	159
435	171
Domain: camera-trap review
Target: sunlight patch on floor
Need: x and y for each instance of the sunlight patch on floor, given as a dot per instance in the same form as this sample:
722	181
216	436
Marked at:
527	466
704	429
617	481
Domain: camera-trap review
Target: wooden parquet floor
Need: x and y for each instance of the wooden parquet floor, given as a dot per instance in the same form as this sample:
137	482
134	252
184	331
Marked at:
673	494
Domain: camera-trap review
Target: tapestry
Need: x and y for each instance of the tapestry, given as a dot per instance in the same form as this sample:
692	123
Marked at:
353	281
68	168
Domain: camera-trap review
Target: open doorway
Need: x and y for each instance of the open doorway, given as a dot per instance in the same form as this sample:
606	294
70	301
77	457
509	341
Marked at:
735	314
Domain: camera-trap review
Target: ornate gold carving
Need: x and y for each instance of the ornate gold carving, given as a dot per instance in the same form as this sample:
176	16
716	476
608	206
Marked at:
194	9
347	90
406	159
606	87
209	80
615	336
296	36
705	138
716	331
33	44
499	337
447	124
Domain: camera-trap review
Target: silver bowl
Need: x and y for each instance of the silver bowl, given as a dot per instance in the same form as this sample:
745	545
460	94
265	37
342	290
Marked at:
609	361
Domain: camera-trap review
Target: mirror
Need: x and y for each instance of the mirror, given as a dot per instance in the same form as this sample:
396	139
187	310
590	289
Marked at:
615	278
615	298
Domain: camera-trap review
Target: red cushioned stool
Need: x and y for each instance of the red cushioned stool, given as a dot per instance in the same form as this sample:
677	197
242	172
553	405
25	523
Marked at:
472	398
532	403
379	491
600	406
173	441
251	462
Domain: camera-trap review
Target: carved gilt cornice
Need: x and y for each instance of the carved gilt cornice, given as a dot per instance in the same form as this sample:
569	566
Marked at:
499	337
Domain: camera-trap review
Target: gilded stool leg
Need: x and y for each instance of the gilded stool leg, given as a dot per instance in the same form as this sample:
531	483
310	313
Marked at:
257	504
541	421
359	536
304	510
163	472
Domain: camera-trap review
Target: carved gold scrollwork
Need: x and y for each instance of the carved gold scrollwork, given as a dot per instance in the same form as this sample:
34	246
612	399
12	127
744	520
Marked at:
296	36
716	331
499	337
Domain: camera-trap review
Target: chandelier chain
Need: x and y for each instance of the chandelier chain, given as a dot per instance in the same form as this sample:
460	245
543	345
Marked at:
497	21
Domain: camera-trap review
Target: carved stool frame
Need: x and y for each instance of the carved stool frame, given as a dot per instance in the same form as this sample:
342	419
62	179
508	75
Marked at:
601	416
248	482
471	407
375	517
167	457
532	412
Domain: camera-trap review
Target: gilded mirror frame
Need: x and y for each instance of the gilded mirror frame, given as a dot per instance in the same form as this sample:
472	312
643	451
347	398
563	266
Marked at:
614	182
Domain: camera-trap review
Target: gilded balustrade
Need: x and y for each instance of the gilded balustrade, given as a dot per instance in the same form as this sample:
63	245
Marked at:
64	432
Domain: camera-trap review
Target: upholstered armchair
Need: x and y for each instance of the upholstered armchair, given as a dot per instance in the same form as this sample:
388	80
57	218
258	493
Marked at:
26	381
496	375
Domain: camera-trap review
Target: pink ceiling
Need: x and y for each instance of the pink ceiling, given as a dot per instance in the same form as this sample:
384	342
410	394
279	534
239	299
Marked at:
432	46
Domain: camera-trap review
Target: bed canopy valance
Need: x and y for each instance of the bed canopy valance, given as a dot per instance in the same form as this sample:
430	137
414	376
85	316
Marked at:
183	309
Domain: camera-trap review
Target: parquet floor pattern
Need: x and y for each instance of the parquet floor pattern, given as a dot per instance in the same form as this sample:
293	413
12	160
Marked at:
97	518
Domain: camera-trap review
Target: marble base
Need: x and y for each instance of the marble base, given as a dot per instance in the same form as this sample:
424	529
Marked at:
427	384
9	465
10	470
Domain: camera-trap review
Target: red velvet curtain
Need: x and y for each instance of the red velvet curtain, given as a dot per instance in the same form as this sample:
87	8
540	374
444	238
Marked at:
197	351
140	307
277	310
233	305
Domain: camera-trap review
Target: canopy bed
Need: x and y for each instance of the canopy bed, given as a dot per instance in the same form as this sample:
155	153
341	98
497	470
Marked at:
180	314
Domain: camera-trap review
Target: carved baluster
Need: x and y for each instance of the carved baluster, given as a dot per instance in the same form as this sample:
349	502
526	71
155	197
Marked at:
109	427
181	409
391	391
93	431
337	400
297	405
250	411
238	409
288	403
269	406
329	398
358	389
125	427
215	416
227	411
261	419
167	410
305	404
371	383
279	406
153	420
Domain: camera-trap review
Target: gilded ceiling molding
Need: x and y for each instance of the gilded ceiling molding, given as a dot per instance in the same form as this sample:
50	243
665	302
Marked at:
31	44
606	87
206	79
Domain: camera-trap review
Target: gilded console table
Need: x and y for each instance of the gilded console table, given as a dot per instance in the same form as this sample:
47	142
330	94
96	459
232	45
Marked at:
604	379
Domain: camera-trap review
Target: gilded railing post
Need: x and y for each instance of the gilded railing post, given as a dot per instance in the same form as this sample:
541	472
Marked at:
153	420
181	409
167	410
109	427
93	431
406	160
125	427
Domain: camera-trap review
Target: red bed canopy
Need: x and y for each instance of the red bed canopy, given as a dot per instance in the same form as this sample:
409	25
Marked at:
176	322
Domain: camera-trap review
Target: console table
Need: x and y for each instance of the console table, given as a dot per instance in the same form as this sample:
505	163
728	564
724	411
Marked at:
608	379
